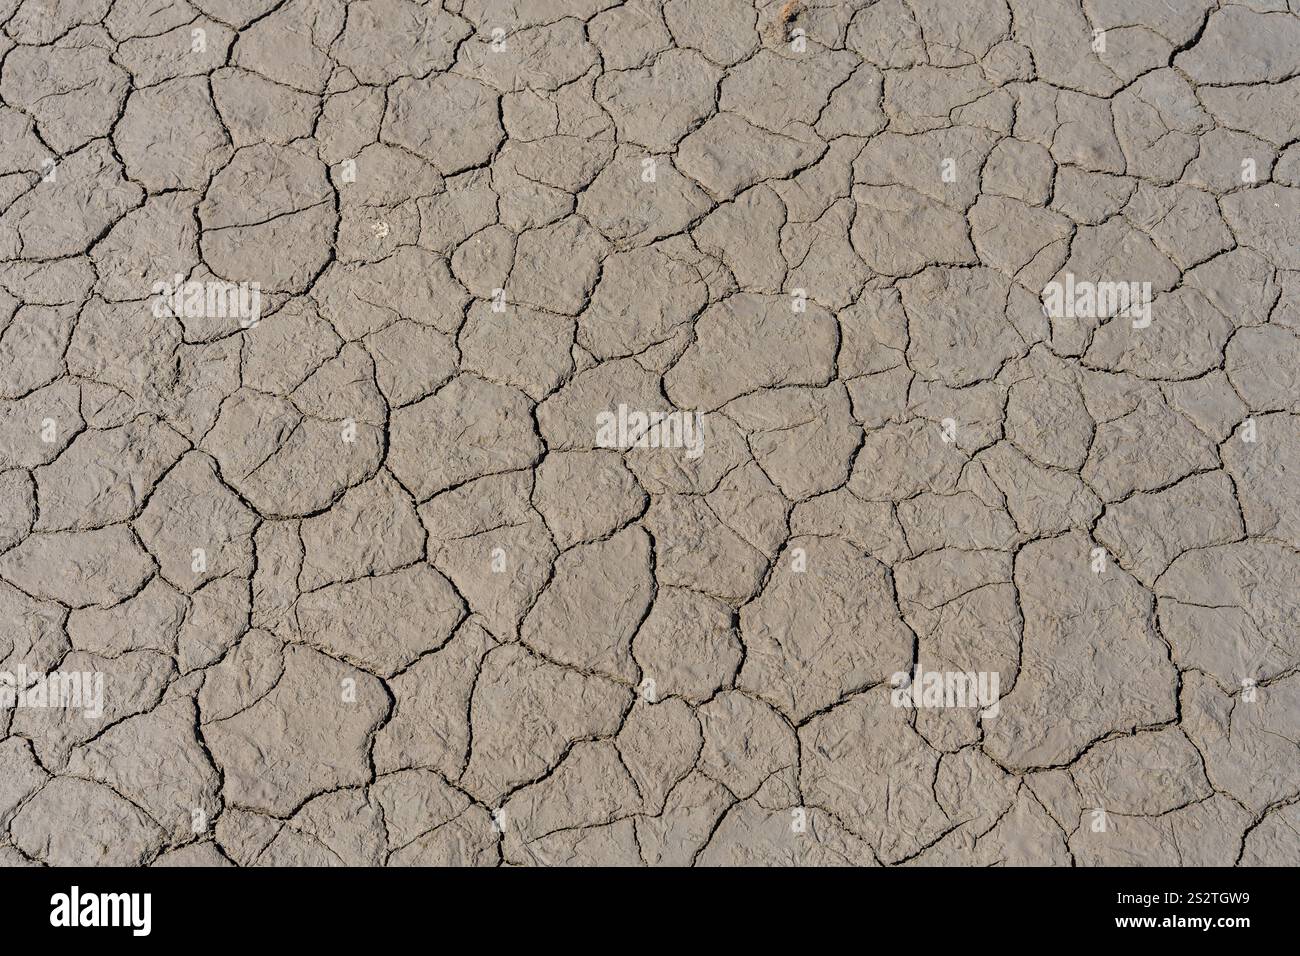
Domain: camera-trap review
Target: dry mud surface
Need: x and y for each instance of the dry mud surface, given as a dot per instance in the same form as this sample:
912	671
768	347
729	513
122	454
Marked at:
367	576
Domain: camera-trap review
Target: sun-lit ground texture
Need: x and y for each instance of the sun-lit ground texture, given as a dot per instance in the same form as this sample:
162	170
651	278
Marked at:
334	343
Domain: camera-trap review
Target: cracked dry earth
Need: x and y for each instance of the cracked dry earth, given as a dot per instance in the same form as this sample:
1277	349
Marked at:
365	588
